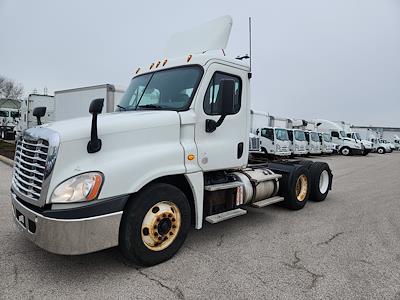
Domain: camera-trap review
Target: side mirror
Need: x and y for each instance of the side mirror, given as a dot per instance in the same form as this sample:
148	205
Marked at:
39	112
95	108
227	90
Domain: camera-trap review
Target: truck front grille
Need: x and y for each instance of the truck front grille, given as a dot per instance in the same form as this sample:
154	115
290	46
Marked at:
254	143
30	167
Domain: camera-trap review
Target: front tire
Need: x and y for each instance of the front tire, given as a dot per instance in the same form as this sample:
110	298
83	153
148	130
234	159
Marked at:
345	151
381	150
154	224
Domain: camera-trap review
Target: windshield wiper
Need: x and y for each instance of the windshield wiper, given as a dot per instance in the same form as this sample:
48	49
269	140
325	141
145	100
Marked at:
121	107
154	106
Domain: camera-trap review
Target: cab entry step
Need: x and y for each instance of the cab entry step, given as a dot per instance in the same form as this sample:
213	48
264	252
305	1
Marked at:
267	201
226	215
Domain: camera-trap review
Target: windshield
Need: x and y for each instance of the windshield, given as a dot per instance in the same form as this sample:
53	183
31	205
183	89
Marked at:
281	134
342	133
327	137
314	137
357	135
171	89
299	135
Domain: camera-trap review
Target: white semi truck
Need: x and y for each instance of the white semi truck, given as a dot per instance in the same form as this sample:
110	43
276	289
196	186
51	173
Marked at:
174	155
9	119
347	146
274	140
314	142
368	145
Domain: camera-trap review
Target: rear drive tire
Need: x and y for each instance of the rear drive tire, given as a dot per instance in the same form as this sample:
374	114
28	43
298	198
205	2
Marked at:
154	224
298	189
321	181
346	151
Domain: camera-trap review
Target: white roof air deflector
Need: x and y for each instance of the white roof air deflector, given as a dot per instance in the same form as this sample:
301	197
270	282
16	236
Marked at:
213	35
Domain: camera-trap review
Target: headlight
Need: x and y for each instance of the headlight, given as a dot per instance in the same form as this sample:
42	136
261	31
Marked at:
83	187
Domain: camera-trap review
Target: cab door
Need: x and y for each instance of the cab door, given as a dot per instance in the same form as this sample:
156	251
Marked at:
227	146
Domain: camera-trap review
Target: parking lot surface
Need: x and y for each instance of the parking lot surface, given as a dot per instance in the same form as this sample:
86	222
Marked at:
347	247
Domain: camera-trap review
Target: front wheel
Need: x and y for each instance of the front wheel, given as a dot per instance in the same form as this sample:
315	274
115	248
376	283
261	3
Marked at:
345	151
381	150
154	225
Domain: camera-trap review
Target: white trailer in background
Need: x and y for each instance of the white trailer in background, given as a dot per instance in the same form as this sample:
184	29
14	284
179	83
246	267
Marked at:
274	140
73	103
27	107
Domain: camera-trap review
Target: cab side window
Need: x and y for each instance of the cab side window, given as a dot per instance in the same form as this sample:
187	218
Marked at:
335	134
212	100
267	133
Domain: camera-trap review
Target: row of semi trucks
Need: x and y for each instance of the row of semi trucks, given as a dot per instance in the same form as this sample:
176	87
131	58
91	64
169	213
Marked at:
284	137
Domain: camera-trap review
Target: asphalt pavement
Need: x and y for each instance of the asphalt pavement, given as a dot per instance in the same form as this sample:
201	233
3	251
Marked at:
347	247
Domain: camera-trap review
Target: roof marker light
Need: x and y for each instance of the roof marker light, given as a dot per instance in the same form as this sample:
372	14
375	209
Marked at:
189	58
164	62
137	71
151	66
159	62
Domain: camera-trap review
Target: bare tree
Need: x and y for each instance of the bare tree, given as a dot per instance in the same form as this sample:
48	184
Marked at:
9	89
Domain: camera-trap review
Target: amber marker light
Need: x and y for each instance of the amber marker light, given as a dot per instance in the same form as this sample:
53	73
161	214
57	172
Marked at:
164	62
190	157
137	71
189	58
96	188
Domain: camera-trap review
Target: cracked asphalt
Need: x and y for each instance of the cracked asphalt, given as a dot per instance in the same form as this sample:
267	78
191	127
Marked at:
347	247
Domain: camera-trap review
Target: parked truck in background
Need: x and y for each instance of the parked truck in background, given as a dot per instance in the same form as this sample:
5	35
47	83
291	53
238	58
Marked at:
175	154
9	119
298	142
28	120
327	146
274	141
368	145
347	146
73	103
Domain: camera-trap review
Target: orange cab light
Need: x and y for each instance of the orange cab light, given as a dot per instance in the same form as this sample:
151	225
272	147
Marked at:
189	58
137	71
159	62
164	62
151	66
190	157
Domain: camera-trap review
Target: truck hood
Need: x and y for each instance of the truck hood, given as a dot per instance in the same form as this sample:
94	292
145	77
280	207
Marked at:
111	123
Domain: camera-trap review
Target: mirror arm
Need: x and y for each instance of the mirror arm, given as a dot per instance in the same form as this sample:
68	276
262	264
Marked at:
211	125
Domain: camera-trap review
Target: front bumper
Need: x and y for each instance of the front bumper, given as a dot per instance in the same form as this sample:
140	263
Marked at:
283	153
67	236
300	152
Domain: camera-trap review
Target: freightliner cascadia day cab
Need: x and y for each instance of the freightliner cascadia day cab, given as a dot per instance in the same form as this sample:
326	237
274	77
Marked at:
174	155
